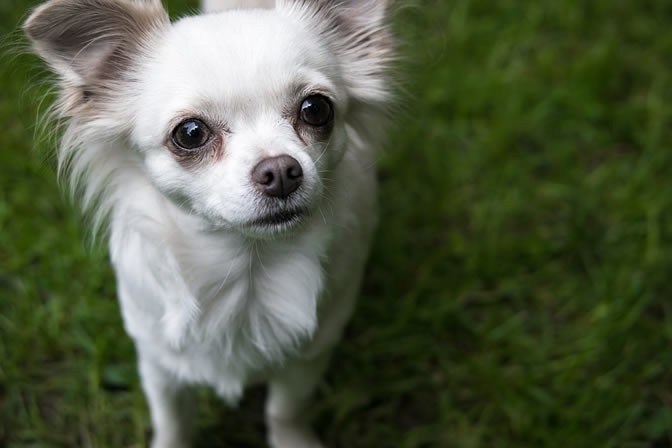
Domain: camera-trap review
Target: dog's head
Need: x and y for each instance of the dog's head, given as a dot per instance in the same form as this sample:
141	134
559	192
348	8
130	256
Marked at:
238	116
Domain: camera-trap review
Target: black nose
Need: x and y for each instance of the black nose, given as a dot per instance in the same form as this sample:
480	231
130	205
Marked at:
278	176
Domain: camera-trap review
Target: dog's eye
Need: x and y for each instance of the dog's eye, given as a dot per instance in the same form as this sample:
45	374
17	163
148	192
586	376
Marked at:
191	134
316	110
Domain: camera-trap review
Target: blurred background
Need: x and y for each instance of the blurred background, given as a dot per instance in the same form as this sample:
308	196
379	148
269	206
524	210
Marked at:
518	294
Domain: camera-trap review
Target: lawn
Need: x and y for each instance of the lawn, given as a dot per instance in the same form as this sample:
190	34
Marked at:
519	292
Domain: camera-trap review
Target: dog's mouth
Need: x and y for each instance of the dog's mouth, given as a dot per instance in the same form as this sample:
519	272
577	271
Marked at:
278	220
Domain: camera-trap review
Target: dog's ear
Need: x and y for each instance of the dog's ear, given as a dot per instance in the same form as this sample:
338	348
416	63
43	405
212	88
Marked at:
88	42
358	33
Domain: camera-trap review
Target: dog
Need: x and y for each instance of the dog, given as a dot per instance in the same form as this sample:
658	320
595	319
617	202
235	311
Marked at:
230	157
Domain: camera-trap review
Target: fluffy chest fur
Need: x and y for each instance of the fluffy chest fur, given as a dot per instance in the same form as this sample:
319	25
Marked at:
215	308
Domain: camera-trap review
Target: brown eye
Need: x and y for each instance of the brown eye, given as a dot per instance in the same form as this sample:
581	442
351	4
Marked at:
316	110
191	134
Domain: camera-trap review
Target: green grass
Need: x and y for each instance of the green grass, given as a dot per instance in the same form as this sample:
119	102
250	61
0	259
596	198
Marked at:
519	290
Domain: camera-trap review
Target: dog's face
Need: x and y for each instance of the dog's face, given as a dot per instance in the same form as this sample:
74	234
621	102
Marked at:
238	117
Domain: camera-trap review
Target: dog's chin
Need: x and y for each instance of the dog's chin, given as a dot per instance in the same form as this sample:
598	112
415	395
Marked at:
274	224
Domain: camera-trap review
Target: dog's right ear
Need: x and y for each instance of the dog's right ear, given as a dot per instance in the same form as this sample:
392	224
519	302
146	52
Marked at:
360	37
89	42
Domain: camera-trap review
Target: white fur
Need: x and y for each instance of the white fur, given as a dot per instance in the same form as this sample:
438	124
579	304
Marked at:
208	298
221	5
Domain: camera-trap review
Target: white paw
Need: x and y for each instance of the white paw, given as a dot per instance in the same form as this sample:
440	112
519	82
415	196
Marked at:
291	435
171	441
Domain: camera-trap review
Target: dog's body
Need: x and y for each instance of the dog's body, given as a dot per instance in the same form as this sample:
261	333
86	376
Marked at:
234	155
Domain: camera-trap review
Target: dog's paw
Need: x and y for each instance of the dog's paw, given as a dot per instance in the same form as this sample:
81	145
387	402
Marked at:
291	435
169	442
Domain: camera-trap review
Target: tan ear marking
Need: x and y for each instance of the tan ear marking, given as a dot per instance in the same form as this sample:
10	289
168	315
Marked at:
88	42
358	32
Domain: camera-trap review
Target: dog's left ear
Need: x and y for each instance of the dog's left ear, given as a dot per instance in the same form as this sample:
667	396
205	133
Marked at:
92	43
358	33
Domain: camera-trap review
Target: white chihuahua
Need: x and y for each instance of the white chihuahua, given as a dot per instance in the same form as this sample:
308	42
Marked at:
232	154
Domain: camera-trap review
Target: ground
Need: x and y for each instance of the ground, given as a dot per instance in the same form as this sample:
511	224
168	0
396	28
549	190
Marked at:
517	294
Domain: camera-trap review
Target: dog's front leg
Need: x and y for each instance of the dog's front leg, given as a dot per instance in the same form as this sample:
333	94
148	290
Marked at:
289	398
169	406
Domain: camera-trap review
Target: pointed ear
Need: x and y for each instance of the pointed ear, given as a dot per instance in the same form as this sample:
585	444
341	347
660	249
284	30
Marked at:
89	42
359	35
